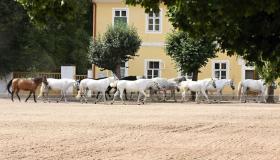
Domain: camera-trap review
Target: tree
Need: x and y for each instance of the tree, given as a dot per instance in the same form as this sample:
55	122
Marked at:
250	28
119	44
189	54
47	42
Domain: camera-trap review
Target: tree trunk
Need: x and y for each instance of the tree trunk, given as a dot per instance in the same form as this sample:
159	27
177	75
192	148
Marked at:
270	95
194	78
118	71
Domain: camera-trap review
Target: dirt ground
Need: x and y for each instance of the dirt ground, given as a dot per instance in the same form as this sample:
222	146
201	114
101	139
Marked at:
147	132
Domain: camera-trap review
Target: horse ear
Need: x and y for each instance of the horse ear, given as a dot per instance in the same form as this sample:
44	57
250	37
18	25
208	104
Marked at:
115	77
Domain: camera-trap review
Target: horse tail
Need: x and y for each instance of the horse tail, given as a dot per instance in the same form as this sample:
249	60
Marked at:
79	94
239	89
9	85
80	91
41	91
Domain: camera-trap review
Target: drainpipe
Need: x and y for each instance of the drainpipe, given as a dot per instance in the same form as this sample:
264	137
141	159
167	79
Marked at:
94	31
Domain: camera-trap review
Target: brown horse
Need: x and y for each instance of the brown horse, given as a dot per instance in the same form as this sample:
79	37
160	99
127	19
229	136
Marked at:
26	85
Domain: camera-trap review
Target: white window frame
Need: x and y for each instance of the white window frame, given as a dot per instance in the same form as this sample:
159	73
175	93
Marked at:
160	23
244	68
221	61
161	66
125	69
120	9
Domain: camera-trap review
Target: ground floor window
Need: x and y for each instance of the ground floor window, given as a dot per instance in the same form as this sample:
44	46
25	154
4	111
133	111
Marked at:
220	69
249	71
152	68
124	69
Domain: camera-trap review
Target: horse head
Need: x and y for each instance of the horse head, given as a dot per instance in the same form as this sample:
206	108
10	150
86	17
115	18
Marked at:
155	86
38	80
231	82
213	83
45	81
77	84
274	85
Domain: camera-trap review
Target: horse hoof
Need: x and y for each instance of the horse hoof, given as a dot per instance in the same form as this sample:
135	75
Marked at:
56	101
94	102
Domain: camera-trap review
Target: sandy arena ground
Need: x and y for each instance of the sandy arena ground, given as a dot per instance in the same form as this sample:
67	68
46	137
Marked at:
153	131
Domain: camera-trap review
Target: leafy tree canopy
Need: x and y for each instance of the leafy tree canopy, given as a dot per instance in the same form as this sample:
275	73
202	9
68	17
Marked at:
189	54
49	42
119	43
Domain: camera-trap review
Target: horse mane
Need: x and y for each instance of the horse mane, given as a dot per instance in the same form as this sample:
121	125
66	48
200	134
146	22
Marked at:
37	80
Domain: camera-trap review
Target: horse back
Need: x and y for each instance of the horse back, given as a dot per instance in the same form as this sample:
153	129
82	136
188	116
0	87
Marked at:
24	84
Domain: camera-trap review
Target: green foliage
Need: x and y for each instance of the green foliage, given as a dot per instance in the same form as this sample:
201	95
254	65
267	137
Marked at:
49	42
189	54
119	43
63	11
249	28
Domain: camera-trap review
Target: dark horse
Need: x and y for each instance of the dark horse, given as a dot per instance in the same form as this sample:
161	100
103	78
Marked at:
26	85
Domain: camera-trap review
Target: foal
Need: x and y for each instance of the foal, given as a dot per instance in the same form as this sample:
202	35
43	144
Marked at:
26	85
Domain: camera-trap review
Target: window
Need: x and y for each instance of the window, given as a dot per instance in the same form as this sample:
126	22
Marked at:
187	75
152	69
124	69
120	16
154	22
249	71
220	69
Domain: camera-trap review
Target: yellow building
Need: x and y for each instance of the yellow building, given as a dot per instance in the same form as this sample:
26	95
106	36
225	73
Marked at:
152	60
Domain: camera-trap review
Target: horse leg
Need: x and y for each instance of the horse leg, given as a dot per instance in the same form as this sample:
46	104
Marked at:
97	95
125	94
205	95
164	95
174	96
197	95
104	96
34	97
145	96
219	96
138	100
108	91
17	95
183	96
121	96
12	97
61	93
28	96
64	95
115	95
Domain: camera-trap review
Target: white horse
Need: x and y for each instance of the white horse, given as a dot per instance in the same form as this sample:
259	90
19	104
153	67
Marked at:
257	86
199	86
99	85
57	84
220	84
139	85
165	85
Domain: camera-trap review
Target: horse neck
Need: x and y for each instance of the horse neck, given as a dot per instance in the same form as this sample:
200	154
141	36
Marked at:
38	81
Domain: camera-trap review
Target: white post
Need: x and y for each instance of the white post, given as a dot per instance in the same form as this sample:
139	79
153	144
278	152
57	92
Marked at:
3	84
68	72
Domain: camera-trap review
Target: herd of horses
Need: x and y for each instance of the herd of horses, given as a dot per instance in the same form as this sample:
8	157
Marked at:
135	84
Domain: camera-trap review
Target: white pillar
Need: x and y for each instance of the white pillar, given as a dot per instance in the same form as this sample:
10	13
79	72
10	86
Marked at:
3	84
89	73
68	72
